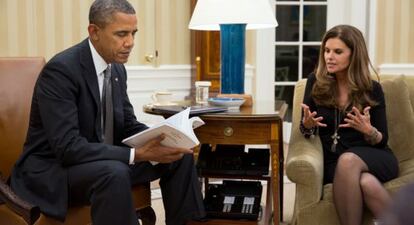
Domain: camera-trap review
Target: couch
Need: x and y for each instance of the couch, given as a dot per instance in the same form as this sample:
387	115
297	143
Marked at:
17	79
304	163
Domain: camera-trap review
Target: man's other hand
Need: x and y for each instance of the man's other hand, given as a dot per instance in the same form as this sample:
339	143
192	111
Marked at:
155	151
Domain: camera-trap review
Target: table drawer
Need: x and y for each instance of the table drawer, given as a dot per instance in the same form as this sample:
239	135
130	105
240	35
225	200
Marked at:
238	132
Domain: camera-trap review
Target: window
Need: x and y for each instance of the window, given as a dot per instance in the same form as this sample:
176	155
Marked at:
302	24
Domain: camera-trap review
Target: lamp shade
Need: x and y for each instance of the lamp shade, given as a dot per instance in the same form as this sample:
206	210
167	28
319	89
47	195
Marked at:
209	14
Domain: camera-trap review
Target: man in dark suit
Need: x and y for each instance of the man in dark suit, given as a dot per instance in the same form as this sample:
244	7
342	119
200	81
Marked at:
73	152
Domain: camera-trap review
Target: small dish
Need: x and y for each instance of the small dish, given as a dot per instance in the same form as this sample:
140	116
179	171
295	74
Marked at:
231	103
164	104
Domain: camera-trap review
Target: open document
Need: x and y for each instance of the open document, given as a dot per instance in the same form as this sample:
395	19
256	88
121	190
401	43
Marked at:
178	131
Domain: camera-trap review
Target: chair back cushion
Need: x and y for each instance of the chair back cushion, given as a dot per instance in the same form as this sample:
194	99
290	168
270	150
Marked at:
400	115
17	80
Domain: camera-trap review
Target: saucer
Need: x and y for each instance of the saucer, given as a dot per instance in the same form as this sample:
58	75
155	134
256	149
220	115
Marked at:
231	103
164	104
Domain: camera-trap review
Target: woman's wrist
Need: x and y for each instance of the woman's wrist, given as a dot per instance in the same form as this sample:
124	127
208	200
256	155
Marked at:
307	126
307	132
372	136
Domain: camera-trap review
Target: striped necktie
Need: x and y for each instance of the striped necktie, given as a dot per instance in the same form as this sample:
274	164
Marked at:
107	108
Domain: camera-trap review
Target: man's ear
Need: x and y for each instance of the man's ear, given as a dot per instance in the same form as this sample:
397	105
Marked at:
93	31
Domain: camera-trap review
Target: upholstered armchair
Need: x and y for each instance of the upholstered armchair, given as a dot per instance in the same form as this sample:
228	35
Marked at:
314	201
17	79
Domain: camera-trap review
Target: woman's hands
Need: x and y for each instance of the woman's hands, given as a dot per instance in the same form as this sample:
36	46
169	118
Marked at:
362	122
359	121
309	119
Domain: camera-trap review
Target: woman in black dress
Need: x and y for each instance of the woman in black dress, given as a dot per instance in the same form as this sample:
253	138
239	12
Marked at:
347	109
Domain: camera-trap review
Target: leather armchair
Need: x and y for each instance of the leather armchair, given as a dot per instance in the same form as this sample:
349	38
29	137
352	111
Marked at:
17	79
304	166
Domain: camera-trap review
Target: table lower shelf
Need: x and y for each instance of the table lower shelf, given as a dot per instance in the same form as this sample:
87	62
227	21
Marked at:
225	222
233	176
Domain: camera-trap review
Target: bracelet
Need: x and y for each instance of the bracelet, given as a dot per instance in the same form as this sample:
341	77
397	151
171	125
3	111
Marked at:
372	137
307	132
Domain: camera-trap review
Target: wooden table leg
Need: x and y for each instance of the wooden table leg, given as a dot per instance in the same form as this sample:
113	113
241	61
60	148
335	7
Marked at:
275	183
269	204
281	181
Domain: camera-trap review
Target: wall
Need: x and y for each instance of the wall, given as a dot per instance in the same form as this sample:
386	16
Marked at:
45	27
394	32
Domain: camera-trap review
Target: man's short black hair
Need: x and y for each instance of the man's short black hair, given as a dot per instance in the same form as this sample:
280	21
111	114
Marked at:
101	11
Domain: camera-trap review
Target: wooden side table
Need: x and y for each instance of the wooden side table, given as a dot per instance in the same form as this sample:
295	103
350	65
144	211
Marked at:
261	123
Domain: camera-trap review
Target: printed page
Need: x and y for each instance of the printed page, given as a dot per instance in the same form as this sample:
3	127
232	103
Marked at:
193	123
178	120
178	130
185	125
196	122
173	137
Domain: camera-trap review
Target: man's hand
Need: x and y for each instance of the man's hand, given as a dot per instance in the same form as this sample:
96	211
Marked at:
155	151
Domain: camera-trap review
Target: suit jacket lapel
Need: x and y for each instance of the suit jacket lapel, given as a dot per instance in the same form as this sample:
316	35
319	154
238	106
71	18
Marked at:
89	73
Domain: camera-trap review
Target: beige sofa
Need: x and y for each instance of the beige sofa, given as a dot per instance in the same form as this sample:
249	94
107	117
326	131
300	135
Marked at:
314	203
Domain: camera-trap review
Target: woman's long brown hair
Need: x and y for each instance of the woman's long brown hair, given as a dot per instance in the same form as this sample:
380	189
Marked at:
325	91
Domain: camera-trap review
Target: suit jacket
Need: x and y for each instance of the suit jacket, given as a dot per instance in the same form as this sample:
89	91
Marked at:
65	128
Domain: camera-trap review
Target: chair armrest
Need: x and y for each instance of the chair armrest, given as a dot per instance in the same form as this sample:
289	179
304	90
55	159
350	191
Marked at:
27	211
304	166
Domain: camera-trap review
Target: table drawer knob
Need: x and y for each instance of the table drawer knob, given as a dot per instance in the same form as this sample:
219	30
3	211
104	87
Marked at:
228	131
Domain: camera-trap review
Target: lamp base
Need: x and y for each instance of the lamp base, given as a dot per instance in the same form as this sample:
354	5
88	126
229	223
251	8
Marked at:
248	99
232	58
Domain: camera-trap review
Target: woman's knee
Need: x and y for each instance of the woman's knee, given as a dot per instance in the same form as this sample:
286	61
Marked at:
370	185
350	161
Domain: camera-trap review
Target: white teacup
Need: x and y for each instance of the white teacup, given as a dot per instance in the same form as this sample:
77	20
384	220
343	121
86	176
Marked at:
162	97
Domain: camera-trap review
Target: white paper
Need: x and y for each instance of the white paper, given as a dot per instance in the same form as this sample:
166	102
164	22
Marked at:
178	131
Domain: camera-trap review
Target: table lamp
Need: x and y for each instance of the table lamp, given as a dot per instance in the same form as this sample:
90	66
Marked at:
232	18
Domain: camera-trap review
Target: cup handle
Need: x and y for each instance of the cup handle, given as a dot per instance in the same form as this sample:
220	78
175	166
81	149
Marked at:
154	98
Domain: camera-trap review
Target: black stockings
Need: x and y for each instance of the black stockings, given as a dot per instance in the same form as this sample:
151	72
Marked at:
353	186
